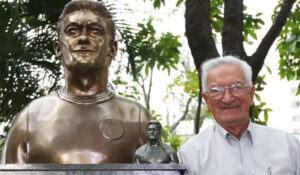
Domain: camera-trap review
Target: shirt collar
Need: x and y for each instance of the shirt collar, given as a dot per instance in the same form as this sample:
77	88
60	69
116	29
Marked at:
226	135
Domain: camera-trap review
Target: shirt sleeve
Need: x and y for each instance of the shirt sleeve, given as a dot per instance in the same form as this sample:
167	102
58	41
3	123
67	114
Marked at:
184	159
295	153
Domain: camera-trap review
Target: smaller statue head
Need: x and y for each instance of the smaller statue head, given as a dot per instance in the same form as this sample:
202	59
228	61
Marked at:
86	35
154	130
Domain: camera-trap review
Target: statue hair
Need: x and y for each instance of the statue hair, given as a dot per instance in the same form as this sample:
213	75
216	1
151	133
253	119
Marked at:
155	122
93	6
227	60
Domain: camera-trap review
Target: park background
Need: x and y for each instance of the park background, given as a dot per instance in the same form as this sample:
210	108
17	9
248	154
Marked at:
163	76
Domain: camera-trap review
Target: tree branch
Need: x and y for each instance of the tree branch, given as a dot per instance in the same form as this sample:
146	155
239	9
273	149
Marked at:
232	31
258	58
187	106
149	90
199	31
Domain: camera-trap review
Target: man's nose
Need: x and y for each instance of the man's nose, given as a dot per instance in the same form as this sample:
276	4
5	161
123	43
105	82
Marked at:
228	97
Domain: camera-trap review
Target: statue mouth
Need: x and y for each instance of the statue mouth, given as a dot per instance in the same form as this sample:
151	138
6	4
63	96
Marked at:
83	51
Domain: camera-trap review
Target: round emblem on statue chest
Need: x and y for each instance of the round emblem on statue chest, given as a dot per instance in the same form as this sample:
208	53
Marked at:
111	129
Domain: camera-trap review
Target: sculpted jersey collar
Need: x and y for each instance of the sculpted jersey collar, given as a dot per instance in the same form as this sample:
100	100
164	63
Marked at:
104	96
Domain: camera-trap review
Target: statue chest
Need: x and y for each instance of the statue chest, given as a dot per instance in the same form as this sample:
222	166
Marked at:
82	135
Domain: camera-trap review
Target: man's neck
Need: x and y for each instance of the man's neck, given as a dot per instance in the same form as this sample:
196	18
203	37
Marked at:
86	82
237	129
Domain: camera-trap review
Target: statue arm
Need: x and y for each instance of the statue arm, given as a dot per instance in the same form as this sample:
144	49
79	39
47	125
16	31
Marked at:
15	144
136	158
174	157
172	153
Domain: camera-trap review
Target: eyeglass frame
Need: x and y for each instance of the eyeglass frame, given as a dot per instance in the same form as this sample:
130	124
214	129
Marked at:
230	87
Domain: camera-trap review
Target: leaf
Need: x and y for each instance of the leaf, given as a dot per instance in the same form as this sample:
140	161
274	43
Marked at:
253	34
269	70
257	97
266	116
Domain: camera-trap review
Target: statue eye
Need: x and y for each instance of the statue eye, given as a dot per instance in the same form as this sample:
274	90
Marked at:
72	31
95	31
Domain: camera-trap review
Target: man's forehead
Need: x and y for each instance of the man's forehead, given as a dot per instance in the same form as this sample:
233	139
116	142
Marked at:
225	73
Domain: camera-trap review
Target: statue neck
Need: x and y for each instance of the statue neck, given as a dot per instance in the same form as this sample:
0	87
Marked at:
155	142
86	82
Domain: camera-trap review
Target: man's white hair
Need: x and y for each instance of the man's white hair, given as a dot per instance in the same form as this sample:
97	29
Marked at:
227	60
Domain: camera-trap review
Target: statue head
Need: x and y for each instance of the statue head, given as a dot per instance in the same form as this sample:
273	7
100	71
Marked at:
86	35
154	130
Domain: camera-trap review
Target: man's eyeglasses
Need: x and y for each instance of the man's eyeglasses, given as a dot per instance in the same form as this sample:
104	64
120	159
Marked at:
236	89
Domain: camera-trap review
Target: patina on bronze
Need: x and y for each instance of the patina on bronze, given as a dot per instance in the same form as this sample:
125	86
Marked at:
155	151
85	122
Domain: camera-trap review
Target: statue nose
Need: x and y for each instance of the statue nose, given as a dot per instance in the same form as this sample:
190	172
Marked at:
83	40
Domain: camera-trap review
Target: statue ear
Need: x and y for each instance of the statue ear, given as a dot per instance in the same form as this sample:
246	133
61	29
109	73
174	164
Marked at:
113	49
57	49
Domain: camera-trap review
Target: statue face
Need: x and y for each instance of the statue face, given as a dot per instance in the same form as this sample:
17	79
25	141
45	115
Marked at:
153	132
85	41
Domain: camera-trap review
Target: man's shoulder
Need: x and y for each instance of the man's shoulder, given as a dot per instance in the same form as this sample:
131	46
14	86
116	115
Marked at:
261	129
200	139
270	134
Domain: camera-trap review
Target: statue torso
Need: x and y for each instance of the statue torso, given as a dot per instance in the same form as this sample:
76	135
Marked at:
60	131
152	154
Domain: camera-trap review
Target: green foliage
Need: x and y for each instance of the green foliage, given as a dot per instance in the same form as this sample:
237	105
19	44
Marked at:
189	81
130	91
26	56
251	24
146	51
174	140
158	3
259	108
216	16
289	46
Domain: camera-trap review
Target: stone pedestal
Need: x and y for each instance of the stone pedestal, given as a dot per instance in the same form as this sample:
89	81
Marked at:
93	169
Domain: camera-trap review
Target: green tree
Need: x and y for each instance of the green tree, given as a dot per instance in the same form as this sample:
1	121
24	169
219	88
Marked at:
146	52
26	57
204	19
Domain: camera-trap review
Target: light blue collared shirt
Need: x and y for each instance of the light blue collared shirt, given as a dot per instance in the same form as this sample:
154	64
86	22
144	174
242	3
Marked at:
260	151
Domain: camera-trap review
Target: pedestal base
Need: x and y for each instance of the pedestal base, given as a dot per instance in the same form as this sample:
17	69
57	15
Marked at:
93	169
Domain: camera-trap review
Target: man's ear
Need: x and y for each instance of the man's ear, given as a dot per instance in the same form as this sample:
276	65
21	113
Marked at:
252	92
205	96
57	49
113	47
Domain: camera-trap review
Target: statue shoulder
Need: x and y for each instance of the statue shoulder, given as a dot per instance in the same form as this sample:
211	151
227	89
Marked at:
169	149
141	149
133	105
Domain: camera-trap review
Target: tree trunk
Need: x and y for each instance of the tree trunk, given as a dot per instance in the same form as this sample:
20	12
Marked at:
202	45
200	39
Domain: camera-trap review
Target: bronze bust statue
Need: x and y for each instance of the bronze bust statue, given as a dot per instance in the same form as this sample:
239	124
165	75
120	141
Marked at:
85	122
155	151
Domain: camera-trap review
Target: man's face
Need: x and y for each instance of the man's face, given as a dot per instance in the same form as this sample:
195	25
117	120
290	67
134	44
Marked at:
85	41
153	132
229	109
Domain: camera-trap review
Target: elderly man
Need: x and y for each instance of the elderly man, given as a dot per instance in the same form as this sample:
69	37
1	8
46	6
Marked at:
235	145
85	122
155	151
